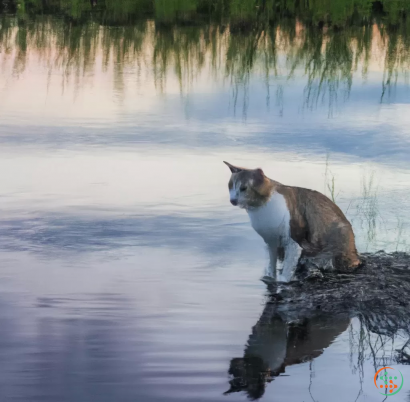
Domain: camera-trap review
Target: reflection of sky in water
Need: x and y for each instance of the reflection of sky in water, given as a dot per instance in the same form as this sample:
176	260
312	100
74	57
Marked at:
134	277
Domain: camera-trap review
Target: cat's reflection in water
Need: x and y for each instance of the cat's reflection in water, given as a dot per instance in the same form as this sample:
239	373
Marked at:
275	344
305	317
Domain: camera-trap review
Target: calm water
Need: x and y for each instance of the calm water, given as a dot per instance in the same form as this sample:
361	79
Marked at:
126	275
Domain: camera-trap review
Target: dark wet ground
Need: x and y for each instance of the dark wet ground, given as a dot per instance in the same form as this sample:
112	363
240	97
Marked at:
382	283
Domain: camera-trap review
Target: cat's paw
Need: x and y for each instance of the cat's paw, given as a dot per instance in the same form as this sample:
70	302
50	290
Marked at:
268	279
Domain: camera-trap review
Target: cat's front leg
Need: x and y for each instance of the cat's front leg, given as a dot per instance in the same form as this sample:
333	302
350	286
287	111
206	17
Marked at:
271	271
291	260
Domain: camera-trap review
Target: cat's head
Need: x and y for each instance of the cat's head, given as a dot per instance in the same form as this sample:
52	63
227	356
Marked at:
248	188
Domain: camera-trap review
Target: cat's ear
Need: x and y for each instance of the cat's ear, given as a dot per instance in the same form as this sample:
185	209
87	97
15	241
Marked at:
258	176
234	169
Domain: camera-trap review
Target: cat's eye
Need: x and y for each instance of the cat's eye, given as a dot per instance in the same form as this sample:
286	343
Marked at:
243	188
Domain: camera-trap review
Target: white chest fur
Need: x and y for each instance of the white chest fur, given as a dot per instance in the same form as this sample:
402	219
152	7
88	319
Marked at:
272	220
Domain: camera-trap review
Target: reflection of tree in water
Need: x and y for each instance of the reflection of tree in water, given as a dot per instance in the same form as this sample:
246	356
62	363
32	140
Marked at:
324	41
305	318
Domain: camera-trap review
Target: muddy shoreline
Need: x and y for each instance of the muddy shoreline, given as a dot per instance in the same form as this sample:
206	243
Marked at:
379	289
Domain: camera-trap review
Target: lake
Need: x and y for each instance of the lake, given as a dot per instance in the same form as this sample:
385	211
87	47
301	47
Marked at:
126	274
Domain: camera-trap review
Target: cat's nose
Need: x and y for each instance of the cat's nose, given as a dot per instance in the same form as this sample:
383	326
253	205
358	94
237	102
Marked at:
234	202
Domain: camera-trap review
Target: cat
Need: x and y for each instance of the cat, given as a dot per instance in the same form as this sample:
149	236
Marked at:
297	224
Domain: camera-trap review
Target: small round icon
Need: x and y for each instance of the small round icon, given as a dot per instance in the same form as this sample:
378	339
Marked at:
388	381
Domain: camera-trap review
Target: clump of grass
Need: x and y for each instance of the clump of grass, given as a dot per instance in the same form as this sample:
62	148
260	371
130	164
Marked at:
374	230
330	181
400	243
400	229
368	207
